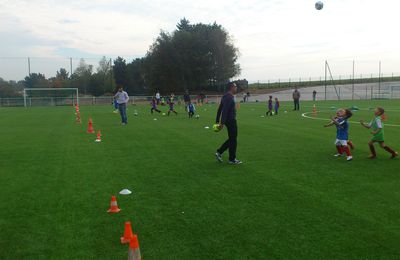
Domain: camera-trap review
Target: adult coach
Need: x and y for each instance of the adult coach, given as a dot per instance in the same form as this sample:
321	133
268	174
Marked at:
296	99
122	99
226	115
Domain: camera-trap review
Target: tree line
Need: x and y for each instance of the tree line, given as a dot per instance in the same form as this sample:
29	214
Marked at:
194	57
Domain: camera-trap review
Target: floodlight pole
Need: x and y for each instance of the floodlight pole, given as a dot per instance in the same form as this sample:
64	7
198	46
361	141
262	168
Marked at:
379	86
24	98
352	96
325	77
29	66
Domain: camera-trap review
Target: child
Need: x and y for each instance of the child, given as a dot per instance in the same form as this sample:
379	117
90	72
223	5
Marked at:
349	114
171	105
115	104
191	109
276	106
342	134
154	105
269	112
378	134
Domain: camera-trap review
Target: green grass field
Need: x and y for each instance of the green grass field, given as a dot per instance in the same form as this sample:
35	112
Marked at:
290	199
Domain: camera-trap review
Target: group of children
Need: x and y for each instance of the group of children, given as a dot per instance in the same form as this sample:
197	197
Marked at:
272	108
190	108
342	133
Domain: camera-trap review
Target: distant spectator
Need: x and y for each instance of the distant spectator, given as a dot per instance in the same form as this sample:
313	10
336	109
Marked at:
158	97
248	96
314	95
296	99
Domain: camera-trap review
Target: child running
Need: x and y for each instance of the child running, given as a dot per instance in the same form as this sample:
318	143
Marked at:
191	109
171	105
269	112
277	105
342	133
378	136
154	105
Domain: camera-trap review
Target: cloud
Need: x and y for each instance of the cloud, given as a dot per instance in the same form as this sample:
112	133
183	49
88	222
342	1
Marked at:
268	33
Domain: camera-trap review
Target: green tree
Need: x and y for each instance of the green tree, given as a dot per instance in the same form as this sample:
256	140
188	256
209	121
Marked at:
120	71
194	57
36	80
81	76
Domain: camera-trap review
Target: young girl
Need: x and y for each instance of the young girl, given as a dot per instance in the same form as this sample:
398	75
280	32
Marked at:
376	126
154	105
171	104
269	112
342	133
276	106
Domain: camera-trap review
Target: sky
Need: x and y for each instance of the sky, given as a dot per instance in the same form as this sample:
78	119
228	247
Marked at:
277	39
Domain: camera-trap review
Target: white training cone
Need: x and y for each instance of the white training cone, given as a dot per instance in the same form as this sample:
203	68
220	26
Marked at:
125	192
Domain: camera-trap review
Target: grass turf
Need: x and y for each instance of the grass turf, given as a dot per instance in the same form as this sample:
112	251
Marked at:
290	199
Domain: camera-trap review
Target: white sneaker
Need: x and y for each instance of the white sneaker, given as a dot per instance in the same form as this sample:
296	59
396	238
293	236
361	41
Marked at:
236	161
349	158
218	156
338	155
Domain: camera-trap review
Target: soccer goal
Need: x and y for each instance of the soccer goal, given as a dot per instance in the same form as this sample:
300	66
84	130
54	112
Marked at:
51	97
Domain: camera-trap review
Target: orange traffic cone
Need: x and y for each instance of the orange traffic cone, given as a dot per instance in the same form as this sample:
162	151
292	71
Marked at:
98	139
314	110
134	250
90	127
128	234
113	205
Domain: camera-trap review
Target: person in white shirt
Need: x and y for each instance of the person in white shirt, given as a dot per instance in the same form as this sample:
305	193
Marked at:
122	99
158	97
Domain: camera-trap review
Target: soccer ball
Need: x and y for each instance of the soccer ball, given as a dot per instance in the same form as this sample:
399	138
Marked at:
164	114
319	5
273	113
216	128
197	116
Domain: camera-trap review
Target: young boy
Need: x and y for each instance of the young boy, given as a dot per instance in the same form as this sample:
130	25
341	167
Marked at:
276	106
171	105
191	109
115	104
154	105
342	133
378	136
269	112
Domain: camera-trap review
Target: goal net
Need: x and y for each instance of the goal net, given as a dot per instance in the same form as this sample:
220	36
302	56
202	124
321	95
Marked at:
51	97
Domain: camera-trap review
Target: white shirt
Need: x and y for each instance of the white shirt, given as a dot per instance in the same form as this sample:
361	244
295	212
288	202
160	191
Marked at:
157	95
121	97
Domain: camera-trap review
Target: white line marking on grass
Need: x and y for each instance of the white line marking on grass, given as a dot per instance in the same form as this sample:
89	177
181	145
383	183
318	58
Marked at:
326	119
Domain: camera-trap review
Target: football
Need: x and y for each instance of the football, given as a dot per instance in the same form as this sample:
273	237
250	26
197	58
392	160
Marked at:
319	5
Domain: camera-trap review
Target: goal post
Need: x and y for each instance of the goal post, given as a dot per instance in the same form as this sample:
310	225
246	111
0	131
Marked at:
51	96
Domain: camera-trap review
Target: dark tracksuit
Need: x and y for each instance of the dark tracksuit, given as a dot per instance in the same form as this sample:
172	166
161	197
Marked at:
227	116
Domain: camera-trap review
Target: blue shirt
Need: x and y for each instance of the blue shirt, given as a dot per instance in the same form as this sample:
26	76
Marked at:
342	126
191	108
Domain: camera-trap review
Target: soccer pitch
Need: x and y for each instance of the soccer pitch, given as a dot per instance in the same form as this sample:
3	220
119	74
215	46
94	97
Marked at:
289	199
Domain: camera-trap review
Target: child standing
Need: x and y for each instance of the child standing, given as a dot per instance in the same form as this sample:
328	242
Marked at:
191	109
154	105
342	134
378	136
269	112
276	106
